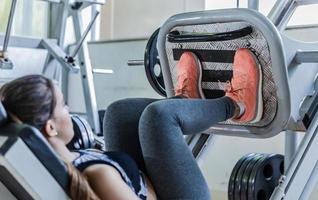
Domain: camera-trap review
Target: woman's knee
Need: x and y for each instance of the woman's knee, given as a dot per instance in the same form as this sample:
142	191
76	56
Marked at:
156	121
156	112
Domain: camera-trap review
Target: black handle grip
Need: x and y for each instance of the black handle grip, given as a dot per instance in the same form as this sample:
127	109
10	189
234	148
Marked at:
180	37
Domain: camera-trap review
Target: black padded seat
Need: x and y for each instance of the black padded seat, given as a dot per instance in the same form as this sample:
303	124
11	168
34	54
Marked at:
37	144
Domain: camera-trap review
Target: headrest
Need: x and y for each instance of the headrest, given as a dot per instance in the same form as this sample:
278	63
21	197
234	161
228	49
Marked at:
3	115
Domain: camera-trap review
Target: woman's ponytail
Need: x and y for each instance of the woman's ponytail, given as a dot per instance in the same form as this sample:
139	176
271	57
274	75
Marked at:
79	188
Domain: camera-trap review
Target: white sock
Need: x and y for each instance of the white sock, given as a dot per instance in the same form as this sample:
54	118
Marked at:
242	108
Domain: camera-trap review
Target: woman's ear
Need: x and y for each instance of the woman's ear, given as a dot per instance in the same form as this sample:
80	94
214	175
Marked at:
50	128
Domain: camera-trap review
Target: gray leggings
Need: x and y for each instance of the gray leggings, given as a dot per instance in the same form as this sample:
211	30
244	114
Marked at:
151	131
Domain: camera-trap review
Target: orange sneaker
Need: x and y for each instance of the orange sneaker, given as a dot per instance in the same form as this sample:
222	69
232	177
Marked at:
189	75
245	87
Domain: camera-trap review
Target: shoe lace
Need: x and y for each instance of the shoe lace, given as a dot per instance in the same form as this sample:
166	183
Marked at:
236	85
182	85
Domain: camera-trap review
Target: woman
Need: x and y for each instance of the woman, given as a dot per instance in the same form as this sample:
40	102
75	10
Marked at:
35	100
151	132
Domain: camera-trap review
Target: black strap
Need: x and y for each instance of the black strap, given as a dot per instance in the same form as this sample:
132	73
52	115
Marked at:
207	55
180	37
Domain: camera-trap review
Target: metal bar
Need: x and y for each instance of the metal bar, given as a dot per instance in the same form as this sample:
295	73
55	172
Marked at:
18	41
103	71
301	167
306	2
62	22
86	76
280	10
253	4
305	166
93	31
311	183
80	42
58	54
135	62
291	142
306	56
9	26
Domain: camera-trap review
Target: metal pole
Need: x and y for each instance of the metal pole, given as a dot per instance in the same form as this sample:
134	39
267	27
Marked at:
253	4
309	187
291	142
93	30
279	11
9	26
80	42
86	76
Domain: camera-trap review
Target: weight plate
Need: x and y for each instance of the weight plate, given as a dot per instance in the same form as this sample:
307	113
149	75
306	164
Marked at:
246	175
265	176
83	135
231	186
88	135
77	141
152	65
239	176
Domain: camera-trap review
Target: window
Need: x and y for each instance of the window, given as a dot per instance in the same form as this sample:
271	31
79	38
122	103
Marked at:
26	21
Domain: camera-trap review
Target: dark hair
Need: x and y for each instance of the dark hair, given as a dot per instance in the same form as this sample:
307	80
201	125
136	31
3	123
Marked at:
30	98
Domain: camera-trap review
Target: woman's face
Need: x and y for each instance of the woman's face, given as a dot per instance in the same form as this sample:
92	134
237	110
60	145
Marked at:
62	118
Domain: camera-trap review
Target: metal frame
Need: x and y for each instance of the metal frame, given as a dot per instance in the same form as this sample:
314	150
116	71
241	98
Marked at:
86	76
301	161
276	51
283	10
5	62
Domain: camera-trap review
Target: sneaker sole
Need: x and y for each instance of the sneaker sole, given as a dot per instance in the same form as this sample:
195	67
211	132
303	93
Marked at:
197	60
259	109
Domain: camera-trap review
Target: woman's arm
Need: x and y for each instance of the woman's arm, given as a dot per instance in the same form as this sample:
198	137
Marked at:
107	183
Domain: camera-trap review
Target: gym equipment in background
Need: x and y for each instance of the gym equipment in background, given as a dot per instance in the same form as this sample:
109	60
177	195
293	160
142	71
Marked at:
83	134
84	137
77	60
255	176
5	62
152	65
284	62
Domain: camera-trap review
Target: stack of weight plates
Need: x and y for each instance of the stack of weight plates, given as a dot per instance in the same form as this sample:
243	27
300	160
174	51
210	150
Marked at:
255	176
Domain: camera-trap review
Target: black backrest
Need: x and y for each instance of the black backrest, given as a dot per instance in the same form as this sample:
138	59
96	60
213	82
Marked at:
36	142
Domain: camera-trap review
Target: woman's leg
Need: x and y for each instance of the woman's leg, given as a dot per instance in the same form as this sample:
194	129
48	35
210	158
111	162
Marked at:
169	161
121	127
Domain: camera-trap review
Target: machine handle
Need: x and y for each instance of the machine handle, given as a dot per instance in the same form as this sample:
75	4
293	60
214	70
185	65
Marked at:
135	62
180	37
